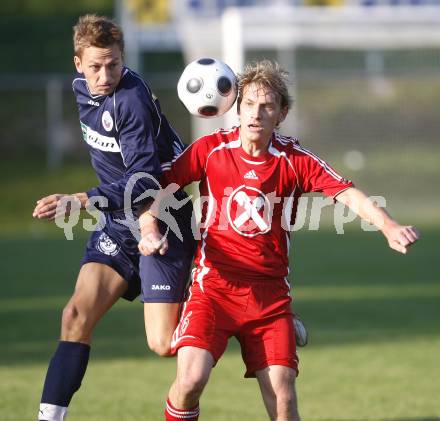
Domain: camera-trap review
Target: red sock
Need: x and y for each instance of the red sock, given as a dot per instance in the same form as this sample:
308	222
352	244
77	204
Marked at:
174	414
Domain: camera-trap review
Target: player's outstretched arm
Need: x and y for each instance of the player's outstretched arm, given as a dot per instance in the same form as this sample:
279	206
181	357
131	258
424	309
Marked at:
47	207
399	237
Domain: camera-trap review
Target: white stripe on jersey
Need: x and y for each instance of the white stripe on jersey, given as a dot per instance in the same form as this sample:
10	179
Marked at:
74	80
180	145
252	162
174	342
114	112
275	152
284	140
205	269
286	278
176	338
87	87
233	144
320	161
230	145
288	207
116	124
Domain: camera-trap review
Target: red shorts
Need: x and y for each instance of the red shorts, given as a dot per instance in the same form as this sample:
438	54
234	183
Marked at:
257	314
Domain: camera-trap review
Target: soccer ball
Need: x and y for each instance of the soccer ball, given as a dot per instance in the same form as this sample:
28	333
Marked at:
207	87
301	334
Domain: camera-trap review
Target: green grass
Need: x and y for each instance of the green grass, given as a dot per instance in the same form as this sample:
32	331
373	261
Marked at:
373	317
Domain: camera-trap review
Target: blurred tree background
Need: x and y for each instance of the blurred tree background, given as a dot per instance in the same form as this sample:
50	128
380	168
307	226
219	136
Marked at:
36	34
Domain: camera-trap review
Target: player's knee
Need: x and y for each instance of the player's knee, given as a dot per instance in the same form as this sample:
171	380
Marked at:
160	346
191	385
70	314
73	322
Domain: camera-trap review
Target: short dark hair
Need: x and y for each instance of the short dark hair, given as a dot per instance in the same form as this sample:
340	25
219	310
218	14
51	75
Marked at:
96	31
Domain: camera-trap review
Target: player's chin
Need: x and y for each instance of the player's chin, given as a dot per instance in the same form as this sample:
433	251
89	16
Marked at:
105	89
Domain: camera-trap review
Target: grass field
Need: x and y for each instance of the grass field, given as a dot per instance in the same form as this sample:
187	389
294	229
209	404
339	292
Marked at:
373	316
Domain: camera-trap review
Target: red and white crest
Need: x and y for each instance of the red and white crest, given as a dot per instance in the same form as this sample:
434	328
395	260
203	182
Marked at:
107	121
249	211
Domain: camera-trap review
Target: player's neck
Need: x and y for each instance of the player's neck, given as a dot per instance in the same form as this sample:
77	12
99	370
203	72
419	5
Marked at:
255	148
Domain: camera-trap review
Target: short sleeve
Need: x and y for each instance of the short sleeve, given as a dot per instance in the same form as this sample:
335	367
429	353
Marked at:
316	175
190	165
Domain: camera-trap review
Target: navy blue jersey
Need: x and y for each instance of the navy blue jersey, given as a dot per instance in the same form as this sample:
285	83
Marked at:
126	133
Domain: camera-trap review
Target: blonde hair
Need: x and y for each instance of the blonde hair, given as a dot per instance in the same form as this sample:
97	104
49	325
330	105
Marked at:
96	31
265	73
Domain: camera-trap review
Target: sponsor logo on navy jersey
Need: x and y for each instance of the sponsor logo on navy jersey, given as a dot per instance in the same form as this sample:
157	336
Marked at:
99	141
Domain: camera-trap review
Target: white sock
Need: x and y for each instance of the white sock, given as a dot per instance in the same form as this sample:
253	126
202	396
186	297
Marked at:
51	412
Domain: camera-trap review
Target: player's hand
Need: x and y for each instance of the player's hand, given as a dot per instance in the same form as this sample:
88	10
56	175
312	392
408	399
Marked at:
153	242
46	207
401	237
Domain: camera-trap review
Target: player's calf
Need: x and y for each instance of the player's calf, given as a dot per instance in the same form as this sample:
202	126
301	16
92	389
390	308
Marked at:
64	376
286	406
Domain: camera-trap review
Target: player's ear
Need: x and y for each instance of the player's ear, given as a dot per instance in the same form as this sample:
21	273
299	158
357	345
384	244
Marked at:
78	64
283	114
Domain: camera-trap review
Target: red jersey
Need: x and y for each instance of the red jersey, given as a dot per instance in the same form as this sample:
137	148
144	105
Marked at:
251	201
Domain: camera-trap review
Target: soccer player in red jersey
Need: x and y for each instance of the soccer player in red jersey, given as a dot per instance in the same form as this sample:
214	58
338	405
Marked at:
253	178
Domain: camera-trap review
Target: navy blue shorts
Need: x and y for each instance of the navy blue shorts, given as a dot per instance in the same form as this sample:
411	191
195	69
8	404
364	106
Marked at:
164	278
159	279
103	248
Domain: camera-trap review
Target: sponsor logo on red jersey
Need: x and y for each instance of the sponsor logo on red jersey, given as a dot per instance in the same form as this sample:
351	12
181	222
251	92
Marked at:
248	211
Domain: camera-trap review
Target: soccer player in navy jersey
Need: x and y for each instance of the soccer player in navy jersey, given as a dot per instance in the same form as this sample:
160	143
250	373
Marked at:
253	177
126	134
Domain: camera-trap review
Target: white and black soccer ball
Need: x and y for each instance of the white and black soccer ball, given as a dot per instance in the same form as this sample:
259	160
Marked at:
301	334
207	87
